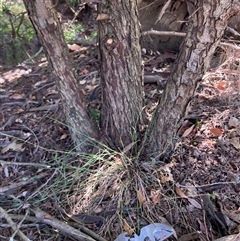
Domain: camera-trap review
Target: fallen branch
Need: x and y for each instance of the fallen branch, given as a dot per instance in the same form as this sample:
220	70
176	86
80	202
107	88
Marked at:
20	184
80	226
3	163
61	226
13	225
163	10
173	33
53	107
161	33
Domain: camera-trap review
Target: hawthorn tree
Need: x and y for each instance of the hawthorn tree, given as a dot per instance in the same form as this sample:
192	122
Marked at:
121	71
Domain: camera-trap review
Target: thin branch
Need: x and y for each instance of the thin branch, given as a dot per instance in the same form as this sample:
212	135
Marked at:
210	184
13	225
34	56
163	10
179	34
20	184
20	224
161	33
3	163
61	226
43	185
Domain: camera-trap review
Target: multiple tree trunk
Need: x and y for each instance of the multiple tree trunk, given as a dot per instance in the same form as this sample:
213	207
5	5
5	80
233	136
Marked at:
121	71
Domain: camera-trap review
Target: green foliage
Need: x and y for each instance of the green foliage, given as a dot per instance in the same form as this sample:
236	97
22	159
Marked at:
95	114
74	2
15	31
93	35
213	196
198	123
71	31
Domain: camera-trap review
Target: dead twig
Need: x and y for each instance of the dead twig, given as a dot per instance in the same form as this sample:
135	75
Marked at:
45	108
81	227
13	225
3	163
20	224
61	226
163	10
20	184
161	33
179	34
43	185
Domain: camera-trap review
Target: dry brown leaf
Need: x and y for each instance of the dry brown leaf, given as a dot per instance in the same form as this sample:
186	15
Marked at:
222	85
127	228
140	196
13	146
188	131
216	131
155	196
63	137
74	47
201	226
165	179
180	192
128	147
167	176
118	160
233	122
195	203
235	141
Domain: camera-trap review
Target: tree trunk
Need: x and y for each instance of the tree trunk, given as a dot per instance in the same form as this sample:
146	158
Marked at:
206	26
121	70
45	21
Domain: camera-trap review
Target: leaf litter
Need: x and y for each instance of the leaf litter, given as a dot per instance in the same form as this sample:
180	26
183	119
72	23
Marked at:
126	193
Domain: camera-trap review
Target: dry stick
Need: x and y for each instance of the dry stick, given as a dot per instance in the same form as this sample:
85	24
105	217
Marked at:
210	184
173	33
163	10
20	224
148	5
161	33
63	227
13	225
34	56
3	163
78	225
81	227
52	107
43	185
20	184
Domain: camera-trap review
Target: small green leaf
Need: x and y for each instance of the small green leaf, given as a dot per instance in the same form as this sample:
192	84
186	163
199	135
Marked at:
198	123
95	114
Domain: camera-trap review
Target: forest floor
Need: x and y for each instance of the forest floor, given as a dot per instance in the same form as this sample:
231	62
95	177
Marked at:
109	192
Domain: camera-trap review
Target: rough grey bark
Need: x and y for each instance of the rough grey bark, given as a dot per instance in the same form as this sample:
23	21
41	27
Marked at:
46	23
206	27
121	70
